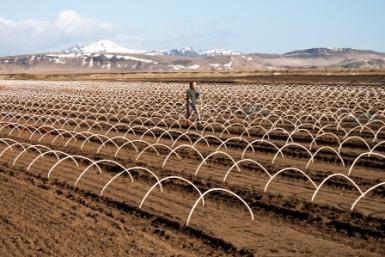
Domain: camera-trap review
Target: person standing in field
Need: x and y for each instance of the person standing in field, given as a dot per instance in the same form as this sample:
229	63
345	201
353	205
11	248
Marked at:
191	102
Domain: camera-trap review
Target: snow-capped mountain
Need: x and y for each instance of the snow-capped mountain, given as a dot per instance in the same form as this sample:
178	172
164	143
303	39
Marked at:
322	51
73	50
110	47
219	52
190	52
101	46
186	51
106	55
325	52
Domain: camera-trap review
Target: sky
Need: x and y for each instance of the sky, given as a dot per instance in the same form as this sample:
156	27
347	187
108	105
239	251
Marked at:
249	26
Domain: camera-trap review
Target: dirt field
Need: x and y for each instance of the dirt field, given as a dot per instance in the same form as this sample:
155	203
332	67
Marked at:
287	76
112	169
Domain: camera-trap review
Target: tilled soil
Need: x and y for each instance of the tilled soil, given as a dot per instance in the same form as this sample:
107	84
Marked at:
43	216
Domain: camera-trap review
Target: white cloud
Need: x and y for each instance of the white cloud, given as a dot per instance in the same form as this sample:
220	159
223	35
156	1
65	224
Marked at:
70	22
32	35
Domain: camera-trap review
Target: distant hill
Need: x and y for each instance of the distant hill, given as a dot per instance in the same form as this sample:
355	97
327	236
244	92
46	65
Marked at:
106	55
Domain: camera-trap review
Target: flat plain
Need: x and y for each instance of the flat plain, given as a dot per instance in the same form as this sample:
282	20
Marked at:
275	168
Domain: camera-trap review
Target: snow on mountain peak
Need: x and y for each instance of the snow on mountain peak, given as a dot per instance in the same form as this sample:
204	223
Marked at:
218	52
108	46
101	46
318	52
73	49
186	51
187	48
190	52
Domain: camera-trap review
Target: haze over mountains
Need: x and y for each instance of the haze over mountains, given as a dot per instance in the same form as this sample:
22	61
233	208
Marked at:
107	56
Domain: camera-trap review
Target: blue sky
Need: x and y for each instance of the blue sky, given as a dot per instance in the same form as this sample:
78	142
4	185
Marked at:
245	25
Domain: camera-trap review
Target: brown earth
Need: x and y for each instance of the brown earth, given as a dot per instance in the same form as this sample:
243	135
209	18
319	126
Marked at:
52	217
290	76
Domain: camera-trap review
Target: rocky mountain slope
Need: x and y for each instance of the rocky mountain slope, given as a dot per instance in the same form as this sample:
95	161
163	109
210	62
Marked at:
106	55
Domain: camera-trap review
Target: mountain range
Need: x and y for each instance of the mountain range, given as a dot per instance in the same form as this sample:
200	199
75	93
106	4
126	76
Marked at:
107	56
